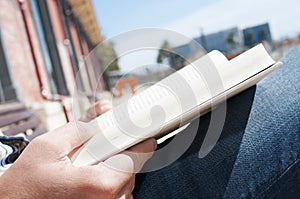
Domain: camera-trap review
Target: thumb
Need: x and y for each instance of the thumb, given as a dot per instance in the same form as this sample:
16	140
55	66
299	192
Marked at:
70	136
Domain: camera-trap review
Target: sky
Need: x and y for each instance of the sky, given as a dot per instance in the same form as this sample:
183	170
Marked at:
186	18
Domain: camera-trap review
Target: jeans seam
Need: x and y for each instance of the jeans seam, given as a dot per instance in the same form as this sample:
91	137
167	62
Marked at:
279	177
276	178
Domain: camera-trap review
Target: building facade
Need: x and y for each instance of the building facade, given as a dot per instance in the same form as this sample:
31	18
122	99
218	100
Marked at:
186	54
231	42
44	48
226	41
256	34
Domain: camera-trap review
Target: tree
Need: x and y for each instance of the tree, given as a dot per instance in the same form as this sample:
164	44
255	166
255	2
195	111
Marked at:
163	52
248	38
167	54
107	56
262	34
230	41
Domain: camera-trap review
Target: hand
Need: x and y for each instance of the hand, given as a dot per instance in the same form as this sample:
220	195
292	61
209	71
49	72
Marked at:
96	109
44	170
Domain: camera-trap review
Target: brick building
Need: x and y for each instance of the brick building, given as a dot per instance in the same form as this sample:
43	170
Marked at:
43	45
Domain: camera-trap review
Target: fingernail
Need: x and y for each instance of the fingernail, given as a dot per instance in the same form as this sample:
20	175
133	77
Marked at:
154	143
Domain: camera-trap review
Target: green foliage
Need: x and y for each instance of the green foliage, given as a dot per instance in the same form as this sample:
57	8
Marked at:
107	56
262	34
230	39
248	38
166	53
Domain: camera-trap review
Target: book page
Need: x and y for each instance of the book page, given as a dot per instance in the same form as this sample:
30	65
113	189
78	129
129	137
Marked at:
245	65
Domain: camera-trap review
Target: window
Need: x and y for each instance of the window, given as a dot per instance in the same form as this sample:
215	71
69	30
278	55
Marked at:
67	20
48	45
7	89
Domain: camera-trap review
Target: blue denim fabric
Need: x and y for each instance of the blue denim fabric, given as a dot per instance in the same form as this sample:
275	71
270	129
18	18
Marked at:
257	155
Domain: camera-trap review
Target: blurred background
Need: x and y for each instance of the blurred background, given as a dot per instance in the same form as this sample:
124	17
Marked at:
48	45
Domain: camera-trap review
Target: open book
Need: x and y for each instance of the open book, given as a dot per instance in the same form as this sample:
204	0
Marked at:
173	102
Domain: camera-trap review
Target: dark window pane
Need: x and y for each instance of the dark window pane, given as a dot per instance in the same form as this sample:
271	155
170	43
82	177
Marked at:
7	90
48	44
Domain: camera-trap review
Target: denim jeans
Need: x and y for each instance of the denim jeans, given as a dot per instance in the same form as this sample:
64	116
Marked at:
257	155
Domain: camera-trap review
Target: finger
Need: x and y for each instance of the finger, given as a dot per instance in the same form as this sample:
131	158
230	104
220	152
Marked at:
120	169
126	196
148	145
70	136
132	160
102	107
97	109
132	185
127	189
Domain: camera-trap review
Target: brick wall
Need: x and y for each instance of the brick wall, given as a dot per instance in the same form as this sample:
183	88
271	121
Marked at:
18	52
21	64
